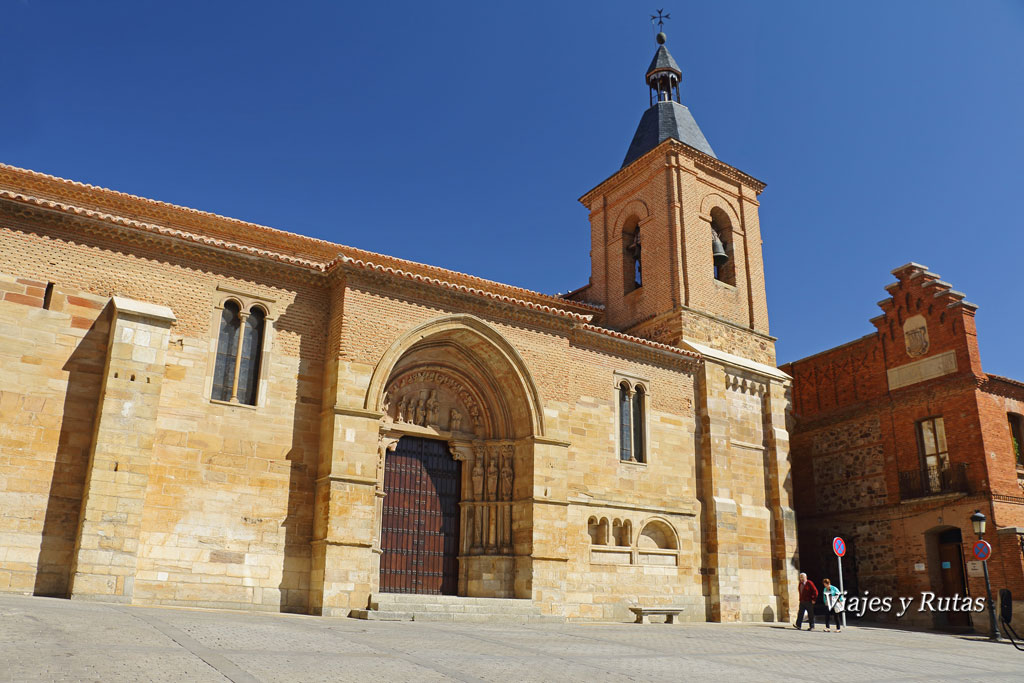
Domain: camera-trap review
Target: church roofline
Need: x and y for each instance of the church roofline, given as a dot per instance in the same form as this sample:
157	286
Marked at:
635	167
622	336
178	222
343	256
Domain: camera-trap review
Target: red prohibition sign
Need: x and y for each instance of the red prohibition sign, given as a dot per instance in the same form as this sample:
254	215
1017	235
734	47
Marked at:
839	546
982	550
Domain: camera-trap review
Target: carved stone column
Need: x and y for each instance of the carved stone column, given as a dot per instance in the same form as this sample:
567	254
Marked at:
385	444
506	475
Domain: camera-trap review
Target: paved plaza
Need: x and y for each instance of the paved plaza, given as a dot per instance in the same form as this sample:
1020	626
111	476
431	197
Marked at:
45	639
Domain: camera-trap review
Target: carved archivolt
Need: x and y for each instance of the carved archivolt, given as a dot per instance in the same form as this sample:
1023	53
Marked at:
430	397
490	349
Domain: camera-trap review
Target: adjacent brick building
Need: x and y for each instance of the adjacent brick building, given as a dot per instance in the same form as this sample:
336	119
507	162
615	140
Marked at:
898	437
195	410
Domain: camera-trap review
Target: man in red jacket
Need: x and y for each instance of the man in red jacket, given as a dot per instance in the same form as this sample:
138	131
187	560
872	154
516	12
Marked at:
808	595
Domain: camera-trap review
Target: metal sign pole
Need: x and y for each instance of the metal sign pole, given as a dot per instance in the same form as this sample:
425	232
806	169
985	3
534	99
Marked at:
839	560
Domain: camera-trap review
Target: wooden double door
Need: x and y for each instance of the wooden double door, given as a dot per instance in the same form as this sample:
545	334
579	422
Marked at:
420	524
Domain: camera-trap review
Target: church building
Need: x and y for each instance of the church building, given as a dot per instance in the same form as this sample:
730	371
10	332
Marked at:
200	411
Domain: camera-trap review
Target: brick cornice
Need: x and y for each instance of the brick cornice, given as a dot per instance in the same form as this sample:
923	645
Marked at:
42	219
452	298
154	229
1002	386
596	337
350	263
705	162
148	215
103	200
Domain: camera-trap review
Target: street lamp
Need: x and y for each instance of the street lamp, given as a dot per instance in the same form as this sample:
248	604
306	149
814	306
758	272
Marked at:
978	521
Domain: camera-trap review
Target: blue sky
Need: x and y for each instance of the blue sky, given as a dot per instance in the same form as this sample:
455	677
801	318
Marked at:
461	134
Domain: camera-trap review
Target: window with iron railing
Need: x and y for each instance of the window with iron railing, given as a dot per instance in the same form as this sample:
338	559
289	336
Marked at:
917	484
934	454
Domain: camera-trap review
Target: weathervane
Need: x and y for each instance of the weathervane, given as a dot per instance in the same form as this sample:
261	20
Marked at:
661	19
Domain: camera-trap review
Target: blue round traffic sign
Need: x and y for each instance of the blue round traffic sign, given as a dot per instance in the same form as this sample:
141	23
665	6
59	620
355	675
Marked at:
839	546
982	550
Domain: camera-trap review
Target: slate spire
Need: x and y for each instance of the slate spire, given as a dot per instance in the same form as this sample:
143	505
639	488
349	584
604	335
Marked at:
666	117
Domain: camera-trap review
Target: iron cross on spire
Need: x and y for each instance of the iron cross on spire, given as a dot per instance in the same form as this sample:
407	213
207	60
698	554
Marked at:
661	18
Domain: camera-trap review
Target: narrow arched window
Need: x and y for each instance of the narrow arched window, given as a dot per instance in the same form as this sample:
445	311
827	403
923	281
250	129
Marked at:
632	267
252	351
239	350
638	424
625	424
227	352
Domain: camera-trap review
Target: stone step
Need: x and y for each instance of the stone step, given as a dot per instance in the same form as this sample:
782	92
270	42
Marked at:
454	609
451	608
422	599
456	617
380	615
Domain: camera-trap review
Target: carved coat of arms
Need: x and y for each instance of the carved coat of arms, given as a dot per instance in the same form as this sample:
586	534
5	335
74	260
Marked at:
915	332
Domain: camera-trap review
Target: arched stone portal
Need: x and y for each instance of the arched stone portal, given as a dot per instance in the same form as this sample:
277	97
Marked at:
457	380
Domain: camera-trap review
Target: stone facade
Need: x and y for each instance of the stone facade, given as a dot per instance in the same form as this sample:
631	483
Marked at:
123	479
859	467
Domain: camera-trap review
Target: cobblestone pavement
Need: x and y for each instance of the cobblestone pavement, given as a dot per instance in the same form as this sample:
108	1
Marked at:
43	639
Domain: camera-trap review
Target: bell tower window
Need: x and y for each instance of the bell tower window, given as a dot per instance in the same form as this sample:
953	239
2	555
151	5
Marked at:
632	270
721	247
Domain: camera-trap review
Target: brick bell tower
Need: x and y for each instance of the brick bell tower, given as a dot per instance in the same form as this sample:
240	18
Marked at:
675	239
676	258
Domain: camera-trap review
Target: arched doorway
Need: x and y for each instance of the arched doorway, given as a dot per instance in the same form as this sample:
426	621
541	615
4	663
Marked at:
459	407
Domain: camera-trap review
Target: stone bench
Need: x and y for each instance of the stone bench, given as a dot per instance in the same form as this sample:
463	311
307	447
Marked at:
643	612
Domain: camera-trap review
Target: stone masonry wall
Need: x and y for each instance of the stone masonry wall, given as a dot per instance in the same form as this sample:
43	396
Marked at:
51	369
228	513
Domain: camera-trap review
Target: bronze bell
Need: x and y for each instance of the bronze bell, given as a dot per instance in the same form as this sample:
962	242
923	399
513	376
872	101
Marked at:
718	252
